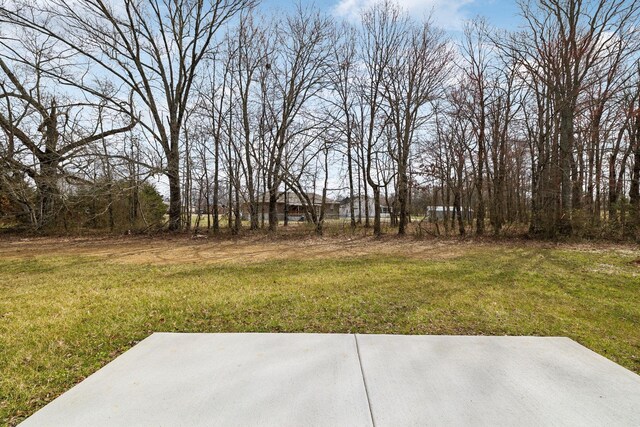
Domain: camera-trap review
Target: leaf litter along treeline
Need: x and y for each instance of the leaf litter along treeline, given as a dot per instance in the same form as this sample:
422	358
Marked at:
249	115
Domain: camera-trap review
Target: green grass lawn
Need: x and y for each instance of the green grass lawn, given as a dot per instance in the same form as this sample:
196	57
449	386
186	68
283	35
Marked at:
64	316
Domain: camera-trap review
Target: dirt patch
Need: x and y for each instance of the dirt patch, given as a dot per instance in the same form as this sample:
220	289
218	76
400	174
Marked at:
246	251
164	250
178	250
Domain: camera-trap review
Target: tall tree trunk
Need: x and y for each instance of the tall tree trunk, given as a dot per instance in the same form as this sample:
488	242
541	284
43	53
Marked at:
377	228
457	199
352	213
367	222
175	205
48	194
480	214
216	186
320	222
634	190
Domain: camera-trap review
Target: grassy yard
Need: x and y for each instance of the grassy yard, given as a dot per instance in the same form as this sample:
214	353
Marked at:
67	307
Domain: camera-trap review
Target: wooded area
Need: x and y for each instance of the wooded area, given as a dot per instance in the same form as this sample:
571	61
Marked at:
234	107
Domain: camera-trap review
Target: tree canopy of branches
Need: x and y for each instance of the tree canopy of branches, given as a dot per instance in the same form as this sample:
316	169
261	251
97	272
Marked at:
247	115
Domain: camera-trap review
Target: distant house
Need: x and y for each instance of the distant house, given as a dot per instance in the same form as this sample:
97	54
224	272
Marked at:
360	209
296	208
441	212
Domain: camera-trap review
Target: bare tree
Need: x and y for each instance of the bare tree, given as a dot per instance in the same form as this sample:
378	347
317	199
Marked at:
415	77
343	74
383	29
565	42
44	131
295	74
153	48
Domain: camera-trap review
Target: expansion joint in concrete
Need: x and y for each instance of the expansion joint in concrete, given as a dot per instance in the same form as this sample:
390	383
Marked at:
364	380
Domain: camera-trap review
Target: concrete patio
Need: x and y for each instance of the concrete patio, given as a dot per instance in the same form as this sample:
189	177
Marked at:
350	380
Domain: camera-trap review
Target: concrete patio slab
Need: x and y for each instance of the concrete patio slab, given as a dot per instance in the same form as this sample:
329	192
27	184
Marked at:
494	381
350	380
220	380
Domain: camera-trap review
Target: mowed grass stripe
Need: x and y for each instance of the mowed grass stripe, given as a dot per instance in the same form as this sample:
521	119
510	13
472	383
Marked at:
63	317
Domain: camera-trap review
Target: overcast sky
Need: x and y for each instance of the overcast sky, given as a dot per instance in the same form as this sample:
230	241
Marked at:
448	14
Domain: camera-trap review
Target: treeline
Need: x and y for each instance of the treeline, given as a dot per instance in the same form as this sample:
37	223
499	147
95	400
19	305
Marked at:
234	107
